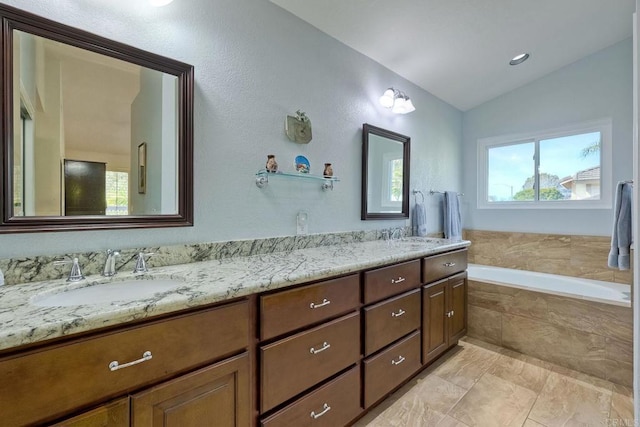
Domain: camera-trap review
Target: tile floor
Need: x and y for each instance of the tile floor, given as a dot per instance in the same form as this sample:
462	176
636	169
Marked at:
479	384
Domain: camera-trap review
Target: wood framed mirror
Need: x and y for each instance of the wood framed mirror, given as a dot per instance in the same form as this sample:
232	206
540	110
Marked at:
385	174
75	109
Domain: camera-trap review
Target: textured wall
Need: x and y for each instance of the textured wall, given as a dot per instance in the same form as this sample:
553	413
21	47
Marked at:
254	64
598	86
577	256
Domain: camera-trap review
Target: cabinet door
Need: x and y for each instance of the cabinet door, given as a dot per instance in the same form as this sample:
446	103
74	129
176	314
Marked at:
216	395
114	414
434	326
457	307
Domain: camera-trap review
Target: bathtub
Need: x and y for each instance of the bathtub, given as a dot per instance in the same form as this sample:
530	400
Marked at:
573	287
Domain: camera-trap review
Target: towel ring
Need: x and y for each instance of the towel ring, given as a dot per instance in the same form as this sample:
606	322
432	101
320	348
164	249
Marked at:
416	192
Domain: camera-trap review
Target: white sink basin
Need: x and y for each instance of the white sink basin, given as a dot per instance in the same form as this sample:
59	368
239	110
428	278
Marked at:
113	292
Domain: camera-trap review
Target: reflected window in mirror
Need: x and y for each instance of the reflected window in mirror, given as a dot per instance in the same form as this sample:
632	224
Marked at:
76	109
385	174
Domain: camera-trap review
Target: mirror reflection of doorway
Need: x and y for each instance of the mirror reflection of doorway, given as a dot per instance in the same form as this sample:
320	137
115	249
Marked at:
84	188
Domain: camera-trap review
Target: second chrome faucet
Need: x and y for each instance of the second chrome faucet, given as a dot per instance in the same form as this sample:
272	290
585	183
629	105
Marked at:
110	264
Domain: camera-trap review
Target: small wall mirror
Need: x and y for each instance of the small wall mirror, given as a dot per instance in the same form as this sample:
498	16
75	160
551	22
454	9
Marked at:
385	174
97	134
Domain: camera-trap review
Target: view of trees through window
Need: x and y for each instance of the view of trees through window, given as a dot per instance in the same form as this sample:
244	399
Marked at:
117	190
568	169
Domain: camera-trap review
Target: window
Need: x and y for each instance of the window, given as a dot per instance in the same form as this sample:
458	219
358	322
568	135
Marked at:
392	168
562	168
117	189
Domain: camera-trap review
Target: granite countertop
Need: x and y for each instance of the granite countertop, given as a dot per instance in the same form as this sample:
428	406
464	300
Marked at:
22	322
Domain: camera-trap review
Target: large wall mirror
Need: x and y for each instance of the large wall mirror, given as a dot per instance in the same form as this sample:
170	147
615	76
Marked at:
96	134
385	174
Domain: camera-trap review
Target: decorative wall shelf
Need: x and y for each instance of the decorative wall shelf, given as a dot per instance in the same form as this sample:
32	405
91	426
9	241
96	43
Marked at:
262	178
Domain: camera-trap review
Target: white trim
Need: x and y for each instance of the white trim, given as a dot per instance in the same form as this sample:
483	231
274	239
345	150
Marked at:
606	184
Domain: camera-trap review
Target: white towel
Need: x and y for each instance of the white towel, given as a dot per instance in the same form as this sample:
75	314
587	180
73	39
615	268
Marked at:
452	218
621	234
419	220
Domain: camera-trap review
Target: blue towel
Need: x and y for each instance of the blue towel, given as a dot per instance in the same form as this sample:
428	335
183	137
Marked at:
452	218
419	220
621	235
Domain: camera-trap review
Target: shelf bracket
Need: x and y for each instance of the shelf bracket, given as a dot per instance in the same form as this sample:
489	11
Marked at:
327	185
262	181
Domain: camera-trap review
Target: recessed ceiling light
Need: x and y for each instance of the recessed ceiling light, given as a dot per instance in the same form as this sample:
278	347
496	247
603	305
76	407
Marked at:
158	3
519	59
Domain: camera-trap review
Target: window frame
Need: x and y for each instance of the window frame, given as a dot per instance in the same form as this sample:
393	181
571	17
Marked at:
604	126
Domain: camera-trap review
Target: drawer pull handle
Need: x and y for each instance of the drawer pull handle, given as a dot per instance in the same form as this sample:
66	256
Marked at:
400	279
325	345
322	304
114	366
325	408
399	361
449	264
398	314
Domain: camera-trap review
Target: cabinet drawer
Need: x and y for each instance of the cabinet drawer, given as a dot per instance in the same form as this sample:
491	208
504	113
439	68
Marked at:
334	404
50	382
388	281
439	266
390	320
295	363
293	309
385	371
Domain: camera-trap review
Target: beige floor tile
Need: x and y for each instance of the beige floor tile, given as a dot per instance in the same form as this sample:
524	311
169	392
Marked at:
586	380
531	423
494	402
466	367
621	406
566	401
420	403
522	370
450	422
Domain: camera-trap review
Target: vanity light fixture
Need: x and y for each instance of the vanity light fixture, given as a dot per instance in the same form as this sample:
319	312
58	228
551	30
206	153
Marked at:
519	59
159	3
398	101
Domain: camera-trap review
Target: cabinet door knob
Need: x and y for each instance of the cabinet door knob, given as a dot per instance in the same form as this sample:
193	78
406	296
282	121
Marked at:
325	345
325	408
114	366
322	304
399	361
400	279
398	314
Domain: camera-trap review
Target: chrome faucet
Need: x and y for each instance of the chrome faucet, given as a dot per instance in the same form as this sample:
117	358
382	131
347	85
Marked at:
75	274
110	264
141	265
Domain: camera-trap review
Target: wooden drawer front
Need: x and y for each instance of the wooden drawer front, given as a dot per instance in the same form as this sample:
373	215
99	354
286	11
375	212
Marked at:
388	281
390	320
439	266
295	363
385	371
334	404
50	382
293	309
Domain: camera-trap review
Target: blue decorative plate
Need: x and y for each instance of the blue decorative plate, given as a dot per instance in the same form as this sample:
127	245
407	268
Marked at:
302	164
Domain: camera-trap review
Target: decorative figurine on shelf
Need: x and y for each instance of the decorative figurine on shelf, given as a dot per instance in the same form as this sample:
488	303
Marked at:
272	165
298	128
302	164
328	170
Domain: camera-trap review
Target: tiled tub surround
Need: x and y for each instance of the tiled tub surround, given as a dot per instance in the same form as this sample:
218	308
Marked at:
204	282
587	336
576	256
39	268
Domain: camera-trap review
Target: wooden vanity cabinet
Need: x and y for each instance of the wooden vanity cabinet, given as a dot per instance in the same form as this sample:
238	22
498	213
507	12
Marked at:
113	414
444	318
51	381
